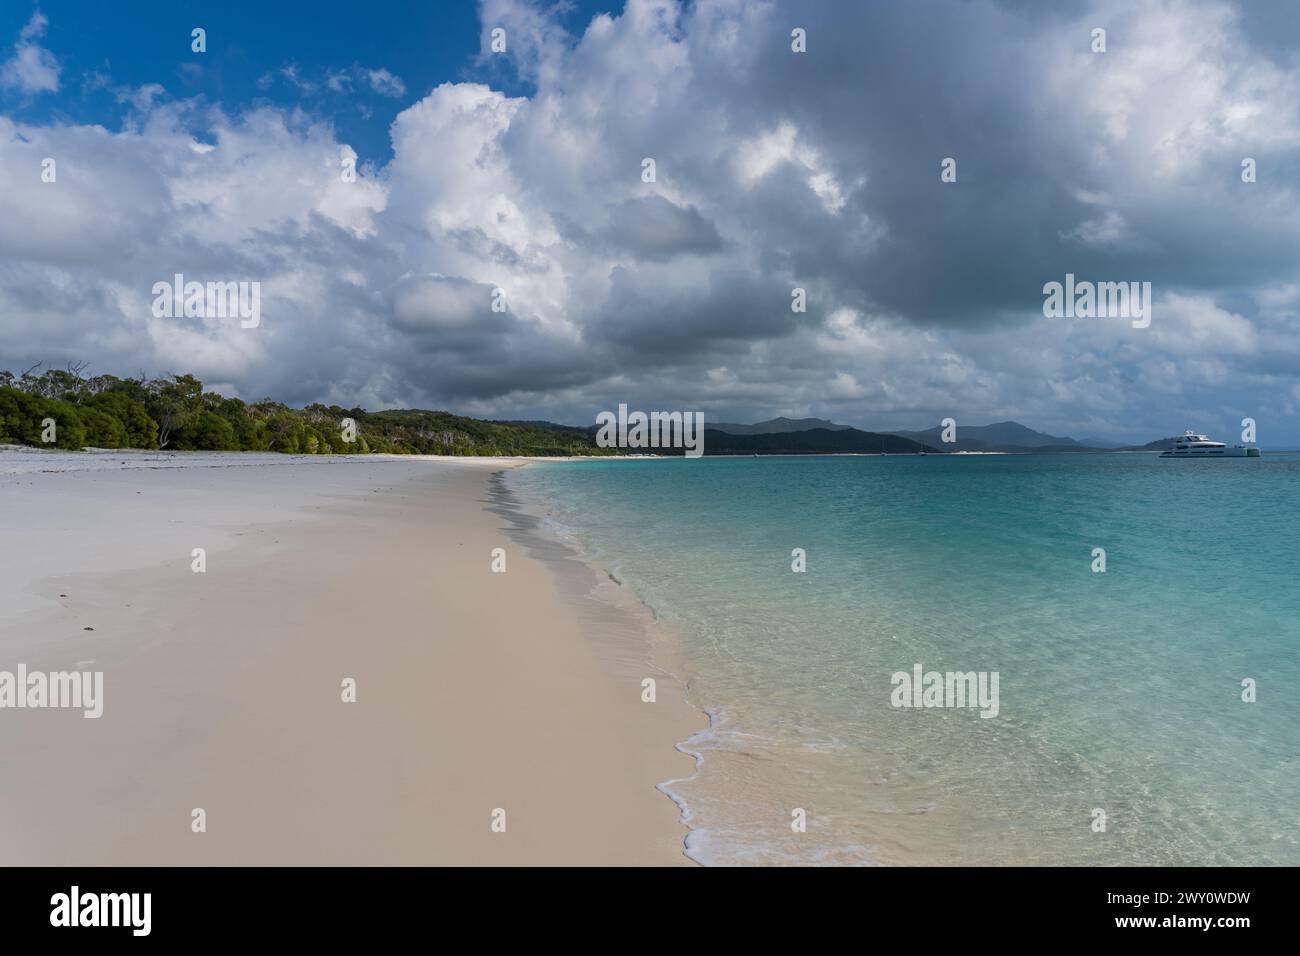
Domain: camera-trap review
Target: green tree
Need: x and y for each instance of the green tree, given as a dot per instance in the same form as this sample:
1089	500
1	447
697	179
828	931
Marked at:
173	401
140	430
20	416
205	430
102	429
70	431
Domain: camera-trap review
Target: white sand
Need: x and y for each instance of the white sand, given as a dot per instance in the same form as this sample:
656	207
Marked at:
222	690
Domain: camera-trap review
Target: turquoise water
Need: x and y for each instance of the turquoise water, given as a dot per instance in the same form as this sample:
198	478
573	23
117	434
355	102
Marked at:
1118	691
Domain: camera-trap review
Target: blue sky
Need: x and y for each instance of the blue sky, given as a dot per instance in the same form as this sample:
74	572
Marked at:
522	173
276	52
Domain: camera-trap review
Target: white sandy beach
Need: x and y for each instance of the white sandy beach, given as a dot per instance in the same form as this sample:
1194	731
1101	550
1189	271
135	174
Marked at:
222	690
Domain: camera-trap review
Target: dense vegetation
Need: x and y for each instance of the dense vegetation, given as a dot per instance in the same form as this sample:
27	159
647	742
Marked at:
175	413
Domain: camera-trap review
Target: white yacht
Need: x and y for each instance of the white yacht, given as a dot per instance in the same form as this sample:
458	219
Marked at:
1193	445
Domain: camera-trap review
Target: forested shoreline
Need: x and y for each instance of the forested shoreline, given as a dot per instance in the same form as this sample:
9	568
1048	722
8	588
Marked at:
62	408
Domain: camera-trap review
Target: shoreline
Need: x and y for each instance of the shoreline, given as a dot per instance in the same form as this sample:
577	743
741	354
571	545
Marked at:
162	458
475	691
644	641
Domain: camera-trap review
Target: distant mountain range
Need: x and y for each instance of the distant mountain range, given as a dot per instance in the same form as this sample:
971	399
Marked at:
775	426
811	435
817	436
1009	437
840	439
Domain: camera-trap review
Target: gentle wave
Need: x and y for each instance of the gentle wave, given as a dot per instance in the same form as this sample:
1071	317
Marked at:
1120	691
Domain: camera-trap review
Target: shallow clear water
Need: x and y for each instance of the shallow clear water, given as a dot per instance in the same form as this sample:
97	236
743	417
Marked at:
1118	691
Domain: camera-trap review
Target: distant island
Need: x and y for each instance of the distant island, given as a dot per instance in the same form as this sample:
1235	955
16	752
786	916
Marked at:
175	413
816	435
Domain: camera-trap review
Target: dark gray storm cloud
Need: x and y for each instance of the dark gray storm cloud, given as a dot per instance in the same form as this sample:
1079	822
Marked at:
655	229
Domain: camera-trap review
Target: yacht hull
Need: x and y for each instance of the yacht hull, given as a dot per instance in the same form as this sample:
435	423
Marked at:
1210	453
